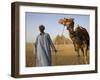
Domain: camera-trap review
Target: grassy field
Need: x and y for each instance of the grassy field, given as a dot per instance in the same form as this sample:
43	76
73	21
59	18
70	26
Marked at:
65	55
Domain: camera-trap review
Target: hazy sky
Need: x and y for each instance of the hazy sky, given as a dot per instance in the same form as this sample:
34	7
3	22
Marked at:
50	21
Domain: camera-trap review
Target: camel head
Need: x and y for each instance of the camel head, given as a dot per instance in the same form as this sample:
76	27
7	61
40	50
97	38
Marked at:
68	23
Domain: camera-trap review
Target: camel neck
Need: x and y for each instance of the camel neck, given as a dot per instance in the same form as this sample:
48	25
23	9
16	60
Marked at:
71	31
72	34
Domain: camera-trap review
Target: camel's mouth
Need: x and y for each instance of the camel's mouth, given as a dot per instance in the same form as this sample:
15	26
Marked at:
62	21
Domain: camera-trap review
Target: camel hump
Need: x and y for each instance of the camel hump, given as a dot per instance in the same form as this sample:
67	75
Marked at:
85	33
82	33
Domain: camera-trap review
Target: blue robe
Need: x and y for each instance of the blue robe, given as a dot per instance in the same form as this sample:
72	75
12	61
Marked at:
43	50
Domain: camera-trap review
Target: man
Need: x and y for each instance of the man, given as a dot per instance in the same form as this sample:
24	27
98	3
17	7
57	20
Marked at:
43	46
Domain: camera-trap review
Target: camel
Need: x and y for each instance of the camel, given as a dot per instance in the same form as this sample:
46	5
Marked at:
79	36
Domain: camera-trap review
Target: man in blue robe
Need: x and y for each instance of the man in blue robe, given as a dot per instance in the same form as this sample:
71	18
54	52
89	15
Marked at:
43	47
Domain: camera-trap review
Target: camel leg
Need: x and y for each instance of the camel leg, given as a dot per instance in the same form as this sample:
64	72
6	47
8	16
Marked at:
74	46
78	52
78	56
87	51
82	50
85	54
77	49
